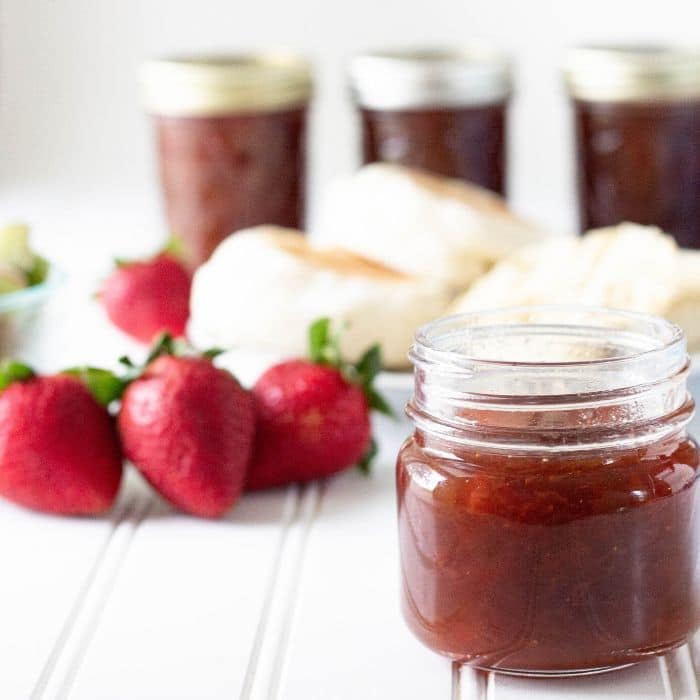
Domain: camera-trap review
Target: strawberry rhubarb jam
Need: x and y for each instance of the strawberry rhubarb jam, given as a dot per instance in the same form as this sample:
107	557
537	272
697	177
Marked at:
439	110
636	113
548	513
230	135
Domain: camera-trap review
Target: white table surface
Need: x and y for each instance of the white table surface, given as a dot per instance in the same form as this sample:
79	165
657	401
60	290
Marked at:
293	596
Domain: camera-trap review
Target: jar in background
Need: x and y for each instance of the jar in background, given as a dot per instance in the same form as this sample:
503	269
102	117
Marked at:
230	132
548	498
443	111
637	122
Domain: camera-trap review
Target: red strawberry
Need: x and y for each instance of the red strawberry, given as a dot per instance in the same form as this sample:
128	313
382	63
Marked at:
188	427
146	298
59	451
312	417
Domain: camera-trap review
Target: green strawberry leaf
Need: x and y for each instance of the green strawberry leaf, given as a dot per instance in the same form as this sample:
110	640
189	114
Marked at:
365	464
324	344
164	345
319	339
365	372
378	403
104	385
131	371
213	353
324	348
370	365
13	371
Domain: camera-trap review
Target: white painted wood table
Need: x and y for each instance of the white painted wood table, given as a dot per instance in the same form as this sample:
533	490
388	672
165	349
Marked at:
293	596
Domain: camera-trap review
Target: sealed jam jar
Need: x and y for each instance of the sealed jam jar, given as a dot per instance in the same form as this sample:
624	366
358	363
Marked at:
548	498
230	133
443	111
637	126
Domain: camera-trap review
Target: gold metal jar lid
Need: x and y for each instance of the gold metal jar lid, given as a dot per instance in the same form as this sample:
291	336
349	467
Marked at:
633	73
476	74
225	84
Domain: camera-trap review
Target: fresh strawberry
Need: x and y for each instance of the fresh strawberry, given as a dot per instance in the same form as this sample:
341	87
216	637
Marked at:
312	416
148	297
188	427
59	451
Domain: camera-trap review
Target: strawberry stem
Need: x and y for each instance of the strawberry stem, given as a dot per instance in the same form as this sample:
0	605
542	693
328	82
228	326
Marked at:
324	347
365	464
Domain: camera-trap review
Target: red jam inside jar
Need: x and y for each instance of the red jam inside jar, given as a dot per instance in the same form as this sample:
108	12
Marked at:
230	136
548	515
467	143
441	111
637	130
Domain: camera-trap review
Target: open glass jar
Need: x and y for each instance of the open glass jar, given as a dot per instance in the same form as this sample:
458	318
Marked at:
230	134
439	110
636	117
548	515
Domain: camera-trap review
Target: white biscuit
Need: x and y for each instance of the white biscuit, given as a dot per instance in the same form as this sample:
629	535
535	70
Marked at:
422	224
627	267
263	287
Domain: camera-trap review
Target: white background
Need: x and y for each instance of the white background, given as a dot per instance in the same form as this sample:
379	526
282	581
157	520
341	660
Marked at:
88	605
69	98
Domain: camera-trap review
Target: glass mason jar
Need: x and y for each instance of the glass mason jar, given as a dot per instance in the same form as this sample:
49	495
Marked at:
548	514
636	117
230	133
443	111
